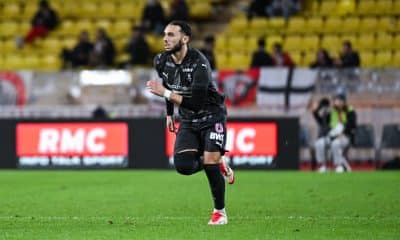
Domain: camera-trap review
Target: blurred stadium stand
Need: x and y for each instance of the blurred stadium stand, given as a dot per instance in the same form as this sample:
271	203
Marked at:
373	26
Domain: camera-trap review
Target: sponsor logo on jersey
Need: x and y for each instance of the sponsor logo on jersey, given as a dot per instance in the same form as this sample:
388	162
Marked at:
187	70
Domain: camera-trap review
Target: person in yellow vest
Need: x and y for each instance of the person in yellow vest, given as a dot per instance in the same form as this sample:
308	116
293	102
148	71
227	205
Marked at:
342	121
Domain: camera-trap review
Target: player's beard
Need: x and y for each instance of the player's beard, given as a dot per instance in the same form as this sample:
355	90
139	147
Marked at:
176	48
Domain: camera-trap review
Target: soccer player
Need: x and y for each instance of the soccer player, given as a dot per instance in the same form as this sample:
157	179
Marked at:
200	140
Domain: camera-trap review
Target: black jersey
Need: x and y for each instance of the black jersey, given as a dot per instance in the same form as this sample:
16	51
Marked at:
193	73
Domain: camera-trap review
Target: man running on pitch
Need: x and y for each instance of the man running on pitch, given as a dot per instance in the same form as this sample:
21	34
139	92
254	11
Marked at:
200	140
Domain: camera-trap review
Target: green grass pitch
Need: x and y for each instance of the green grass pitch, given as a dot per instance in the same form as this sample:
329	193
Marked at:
165	205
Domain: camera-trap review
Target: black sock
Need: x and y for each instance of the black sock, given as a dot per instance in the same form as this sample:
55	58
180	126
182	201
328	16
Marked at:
217	184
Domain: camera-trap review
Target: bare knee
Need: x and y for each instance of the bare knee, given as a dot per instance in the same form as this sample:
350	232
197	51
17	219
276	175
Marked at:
212	157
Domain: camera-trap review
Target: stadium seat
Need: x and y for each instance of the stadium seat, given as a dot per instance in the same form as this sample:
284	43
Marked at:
252	44
396	60
297	58
396	8
221	43
31	62
222	60
66	28
50	63
332	25
345	7
364	143
120	44
238	25
386	24
200	10
122	27
155	43
350	25
88	9
9	29
258	26
271	40
365	42
276	24
366	7
331	43
236	43
327	7
29	10
13	62
367	59
127	10
69	42
8	46
384	41
314	25
105	24
296	25
383	7
11	10
308	59
84	24
52	45
383	59
368	25
396	42
310	43
292	43
390	139
107	9
24	27
239	61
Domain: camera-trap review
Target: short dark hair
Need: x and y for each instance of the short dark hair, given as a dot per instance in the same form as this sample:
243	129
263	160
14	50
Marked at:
347	43
209	39
261	42
185	27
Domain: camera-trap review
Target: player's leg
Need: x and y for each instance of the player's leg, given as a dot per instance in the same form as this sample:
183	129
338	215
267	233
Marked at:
186	154
337	148
213	139
320	153
217	186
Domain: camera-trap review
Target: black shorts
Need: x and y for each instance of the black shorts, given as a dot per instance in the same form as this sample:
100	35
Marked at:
203	137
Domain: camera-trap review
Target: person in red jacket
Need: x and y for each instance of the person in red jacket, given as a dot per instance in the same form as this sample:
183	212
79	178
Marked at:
281	58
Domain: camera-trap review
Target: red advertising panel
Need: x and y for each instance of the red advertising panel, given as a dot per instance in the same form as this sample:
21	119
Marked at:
72	139
244	139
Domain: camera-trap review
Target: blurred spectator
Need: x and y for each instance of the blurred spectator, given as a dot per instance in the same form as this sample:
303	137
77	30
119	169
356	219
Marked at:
103	50
323	60
179	10
342	124
285	8
257	8
79	56
153	18
137	47
44	20
100	113
208	50
261	58
281	58
348	57
321	111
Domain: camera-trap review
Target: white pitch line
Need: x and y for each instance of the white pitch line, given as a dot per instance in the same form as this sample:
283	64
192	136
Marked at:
76	218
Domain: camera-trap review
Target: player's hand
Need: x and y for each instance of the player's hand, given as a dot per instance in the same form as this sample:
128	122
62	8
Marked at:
155	87
171	124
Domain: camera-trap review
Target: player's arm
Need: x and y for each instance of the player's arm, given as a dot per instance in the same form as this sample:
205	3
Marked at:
199	90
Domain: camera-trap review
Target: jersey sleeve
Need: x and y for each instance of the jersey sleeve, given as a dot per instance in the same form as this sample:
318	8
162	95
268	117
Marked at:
157	63
201	80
